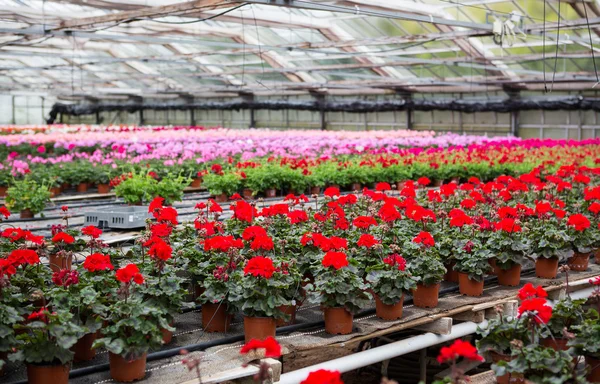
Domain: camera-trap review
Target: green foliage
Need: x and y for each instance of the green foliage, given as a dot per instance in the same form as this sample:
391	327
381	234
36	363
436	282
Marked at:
227	184
27	194
508	248
389	283
339	288
499	333
587	335
425	265
475	263
548	239
171	188
139	188
566	314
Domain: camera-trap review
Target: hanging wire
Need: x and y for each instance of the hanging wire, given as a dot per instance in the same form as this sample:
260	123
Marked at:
557	45
544	48
262	62
591	43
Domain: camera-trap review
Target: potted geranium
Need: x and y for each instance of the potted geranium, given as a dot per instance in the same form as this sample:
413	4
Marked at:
259	292
61	255
340	292
427	268
472	264
566	314
134	327
27	197
12	311
171	188
508	245
582	241
135	188
389	280
222	186
587	343
548	240
46	340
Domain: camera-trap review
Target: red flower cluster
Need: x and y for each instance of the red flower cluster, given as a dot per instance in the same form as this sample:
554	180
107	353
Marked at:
243	211
40	315
396	260
259	266
128	273
222	243
458	349
63	237
536	309
65	278
270	345
17	234
529	291
331	192
579	222
507	225
159	249
23	256
4	212
389	213
323	376
459	218
97	262
324	243
364	222
262	243
366	240
92	231
336	260
425	239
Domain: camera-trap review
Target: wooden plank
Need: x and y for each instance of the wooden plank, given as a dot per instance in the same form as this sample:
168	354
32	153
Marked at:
464	366
487	377
474	316
165	10
441	326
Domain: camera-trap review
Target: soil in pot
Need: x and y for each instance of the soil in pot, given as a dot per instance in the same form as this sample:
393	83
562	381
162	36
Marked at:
196	182
83	348
247	193
82	187
426	296
58	263
48	374
388	312
508	378
451	275
124	370
510	277
26	214
271	192
546	268
103	188
288	310
258	328
338	321
215	317
579	261
222	198
469	287
593	367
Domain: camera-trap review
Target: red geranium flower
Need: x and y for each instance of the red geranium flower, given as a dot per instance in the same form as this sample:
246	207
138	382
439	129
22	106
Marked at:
252	232
337	243
323	376
382	187
64	208
507	225
468	203
543	208
128	273
160	249
364	222
156	204
367	241
92	231
97	262
423	181
23	256
594	208
270	345
7	268
65	278
298	216
243	211
161	230
264	243
331	192
459	349
579	222
537	309
336	260
424	238
41	315
4	212
529	291
259	266
396	260
389	213
64	237
167	215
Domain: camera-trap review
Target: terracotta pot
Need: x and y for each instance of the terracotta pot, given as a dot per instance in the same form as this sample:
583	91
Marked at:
597	255
215	317
593	366
222	198
48	374
26	214
198	290
389	312
546	268
58	262
82	187
355	187
558	343
509	378
399	185
437	182
126	371
510	277
426	296
288	310
579	261
493	262
103	188
167	336
469	287
451	275
271	192
315	190
258	328
248	193
3	191
196	182
83	348
55	191
65	186
338	321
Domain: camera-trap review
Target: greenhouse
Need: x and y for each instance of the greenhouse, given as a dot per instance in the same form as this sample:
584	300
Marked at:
299	191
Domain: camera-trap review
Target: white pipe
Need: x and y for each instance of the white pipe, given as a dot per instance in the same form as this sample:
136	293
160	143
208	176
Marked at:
398	348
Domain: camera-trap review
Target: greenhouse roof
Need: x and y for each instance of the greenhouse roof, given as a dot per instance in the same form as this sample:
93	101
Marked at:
222	48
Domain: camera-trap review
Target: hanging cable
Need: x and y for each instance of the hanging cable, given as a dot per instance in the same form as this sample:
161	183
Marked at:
557	44
591	43
544	48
